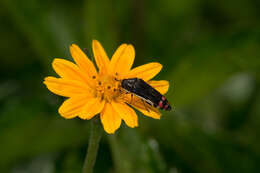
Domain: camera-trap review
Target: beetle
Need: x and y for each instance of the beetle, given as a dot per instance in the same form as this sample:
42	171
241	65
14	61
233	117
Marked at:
145	92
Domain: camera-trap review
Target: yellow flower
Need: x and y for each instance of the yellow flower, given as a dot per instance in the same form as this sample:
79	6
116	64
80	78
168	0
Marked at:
90	92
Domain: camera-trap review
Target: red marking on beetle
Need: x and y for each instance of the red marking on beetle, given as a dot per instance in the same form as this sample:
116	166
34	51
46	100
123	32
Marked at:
166	106
163	98
161	104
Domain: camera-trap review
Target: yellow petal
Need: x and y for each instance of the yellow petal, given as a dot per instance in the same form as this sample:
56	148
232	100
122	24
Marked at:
162	86
126	113
110	119
72	106
93	107
67	70
150	113
101	57
145	72
83	61
142	106
122	60
66	87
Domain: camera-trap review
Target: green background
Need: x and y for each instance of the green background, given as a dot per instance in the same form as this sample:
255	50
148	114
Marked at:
210	51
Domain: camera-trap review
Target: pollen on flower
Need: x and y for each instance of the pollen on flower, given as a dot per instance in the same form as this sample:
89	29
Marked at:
107	88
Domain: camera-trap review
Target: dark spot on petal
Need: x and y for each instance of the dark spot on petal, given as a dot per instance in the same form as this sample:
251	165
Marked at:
108	87
99	83
93	77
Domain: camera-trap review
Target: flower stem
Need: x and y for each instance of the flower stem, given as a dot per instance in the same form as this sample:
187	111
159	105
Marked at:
95	136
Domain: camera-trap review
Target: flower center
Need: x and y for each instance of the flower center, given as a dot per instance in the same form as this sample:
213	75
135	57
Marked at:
107	87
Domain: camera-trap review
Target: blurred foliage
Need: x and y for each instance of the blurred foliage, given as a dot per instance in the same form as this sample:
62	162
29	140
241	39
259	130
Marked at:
210	53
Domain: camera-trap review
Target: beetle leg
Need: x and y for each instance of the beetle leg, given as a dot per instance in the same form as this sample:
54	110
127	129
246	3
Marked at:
145	106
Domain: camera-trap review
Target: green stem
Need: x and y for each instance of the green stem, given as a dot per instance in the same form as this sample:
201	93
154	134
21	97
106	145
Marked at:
95	136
